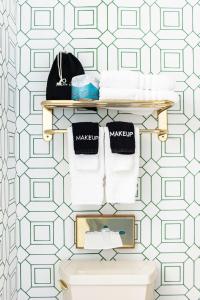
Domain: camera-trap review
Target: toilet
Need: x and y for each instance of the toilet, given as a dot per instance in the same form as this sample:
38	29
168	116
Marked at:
107	280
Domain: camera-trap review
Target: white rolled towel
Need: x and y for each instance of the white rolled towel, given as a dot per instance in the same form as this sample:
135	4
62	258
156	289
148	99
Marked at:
136	80
161	82
123	94
86	173
118	94
116	79
121	172
157	95
135	94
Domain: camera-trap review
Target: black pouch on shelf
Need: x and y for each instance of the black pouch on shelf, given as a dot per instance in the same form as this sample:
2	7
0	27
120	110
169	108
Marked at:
64	68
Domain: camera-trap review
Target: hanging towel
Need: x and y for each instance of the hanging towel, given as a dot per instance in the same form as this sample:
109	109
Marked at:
121	172
104	239
122	137
86	137
86	173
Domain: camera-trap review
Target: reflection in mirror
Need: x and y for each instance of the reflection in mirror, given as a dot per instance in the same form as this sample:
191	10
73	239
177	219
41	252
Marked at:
124	224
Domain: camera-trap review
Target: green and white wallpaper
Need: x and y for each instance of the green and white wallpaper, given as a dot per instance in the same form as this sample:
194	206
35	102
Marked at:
8	250
147	36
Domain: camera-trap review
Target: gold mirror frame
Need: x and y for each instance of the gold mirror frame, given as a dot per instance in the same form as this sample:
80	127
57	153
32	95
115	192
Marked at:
124	224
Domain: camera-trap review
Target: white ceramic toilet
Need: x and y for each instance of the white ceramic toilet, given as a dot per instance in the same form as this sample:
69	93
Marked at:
108	280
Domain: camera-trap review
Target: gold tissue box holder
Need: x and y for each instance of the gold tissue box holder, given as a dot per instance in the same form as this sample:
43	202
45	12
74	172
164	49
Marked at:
124	224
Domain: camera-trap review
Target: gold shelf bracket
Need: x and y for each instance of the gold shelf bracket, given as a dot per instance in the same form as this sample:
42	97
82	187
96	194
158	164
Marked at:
47	123
162	125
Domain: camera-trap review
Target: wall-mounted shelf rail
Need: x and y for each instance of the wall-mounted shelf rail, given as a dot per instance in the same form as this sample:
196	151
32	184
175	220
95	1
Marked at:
160	106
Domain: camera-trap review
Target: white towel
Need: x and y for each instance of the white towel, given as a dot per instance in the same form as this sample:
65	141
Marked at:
121	172
116	79
102	240
135	94
123	94
157	95
137	80
86	173
157	82
117	93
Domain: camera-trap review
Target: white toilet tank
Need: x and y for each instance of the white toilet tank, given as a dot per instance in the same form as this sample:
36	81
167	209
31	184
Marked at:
108	280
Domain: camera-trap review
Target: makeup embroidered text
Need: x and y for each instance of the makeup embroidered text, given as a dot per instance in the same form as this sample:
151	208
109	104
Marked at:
87	137
127	134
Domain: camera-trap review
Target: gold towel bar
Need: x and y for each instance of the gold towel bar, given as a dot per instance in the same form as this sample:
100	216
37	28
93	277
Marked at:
156	130
160	106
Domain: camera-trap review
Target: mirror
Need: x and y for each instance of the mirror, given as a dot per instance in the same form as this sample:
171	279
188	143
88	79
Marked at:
124	224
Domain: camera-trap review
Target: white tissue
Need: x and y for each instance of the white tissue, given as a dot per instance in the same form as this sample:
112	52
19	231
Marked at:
95	240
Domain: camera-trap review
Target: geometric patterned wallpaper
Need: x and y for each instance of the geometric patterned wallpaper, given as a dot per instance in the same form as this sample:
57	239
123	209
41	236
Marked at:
8	249
146	36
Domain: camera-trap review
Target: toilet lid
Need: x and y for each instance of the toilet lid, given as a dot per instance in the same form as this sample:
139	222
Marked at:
108	272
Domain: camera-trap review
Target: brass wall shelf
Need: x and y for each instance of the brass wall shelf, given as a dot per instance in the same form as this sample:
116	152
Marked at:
160	106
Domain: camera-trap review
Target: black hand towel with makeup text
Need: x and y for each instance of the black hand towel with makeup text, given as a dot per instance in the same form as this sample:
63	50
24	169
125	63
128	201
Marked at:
122	137
86	137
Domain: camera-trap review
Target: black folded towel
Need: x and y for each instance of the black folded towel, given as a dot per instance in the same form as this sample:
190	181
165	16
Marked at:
86	137
122	137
